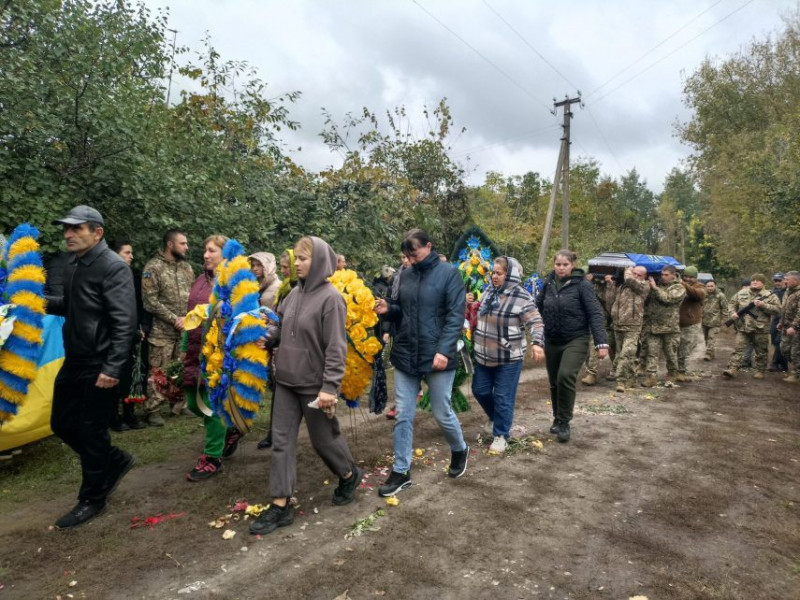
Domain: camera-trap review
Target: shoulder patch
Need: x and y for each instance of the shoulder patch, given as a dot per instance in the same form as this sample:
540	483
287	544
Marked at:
146	275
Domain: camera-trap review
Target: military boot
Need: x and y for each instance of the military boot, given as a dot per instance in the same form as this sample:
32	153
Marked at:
790	379
650	381
589	379
758	375
708	357
683	377
620	387
730	372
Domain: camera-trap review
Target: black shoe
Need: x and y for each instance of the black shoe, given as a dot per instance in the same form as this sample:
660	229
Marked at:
120	472
346	490
232	437
84	511
120	427
397	482
458	463
272	518
554	426
563	432
266	442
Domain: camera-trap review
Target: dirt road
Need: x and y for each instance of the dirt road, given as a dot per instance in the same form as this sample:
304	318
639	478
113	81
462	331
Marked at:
690	492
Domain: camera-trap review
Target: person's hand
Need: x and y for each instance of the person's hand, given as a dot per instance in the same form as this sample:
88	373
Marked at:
326	400
262	343
609	279
381	306
791	331
179	323
105	382
758	303
470	297
385	338
734	315
652	282
440	362
537	354
602	353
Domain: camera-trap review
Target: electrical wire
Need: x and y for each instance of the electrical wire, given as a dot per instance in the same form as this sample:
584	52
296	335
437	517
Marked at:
605	140
666	56
529	45
651	50
487	60
503	142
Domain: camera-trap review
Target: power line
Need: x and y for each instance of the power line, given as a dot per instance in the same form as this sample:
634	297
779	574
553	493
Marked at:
503	142
605	140
707	29
476	51
529	45
651	50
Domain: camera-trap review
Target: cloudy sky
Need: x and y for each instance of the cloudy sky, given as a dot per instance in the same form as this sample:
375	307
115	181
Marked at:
499	63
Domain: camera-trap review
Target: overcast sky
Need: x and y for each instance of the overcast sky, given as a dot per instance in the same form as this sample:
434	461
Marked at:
499	63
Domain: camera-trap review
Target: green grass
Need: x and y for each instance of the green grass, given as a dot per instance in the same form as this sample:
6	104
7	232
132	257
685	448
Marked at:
606	409
47	468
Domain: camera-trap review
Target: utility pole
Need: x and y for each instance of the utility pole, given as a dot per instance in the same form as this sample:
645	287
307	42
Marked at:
562	173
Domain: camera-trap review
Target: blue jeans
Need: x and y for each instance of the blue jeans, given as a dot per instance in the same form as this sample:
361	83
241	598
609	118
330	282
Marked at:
495	388
406	386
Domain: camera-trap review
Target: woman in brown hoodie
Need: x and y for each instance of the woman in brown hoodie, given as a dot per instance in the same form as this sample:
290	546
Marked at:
309	368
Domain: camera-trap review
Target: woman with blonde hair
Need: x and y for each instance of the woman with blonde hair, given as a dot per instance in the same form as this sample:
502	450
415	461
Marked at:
309	367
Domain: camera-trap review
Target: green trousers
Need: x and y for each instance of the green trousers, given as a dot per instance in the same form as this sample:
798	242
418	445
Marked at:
563	362
215	428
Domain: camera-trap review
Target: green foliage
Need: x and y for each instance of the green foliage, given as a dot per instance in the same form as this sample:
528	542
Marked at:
745	133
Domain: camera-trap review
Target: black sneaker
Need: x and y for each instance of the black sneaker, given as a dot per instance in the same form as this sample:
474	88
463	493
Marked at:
205	468
119	472
554	426
232	437
266	442
272	518
84	511
563	432
346	490
458	463
397	482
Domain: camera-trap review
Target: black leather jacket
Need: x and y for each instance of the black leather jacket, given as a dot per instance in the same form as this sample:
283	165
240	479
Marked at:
99	304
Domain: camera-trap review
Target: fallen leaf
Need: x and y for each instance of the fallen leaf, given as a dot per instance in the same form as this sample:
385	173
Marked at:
229	534
73	583
342	596
393	501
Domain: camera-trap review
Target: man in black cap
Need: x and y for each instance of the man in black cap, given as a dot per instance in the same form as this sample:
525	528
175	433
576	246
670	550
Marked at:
778	362
99	304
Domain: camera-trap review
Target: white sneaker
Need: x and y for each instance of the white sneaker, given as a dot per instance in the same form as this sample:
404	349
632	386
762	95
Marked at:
488	428
498	445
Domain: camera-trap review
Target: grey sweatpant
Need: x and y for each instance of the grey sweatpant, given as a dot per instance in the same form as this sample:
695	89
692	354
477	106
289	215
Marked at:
326	438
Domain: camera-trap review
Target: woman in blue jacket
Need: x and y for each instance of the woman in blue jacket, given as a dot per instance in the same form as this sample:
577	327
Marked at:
570	310
428	315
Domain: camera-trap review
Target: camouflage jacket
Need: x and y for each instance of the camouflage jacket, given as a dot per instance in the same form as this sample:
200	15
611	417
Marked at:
661	309
165	292
763	315
790	313
627	303
715	309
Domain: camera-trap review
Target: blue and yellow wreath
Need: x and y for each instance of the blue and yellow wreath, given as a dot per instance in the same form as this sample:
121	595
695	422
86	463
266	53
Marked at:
22	307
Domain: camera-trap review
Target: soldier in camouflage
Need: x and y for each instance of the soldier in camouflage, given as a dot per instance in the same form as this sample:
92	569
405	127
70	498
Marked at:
166	281
752	329
715	309
593	360
661	329
789	325
627	317
690	320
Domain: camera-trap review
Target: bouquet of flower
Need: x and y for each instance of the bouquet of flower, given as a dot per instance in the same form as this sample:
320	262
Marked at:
136	394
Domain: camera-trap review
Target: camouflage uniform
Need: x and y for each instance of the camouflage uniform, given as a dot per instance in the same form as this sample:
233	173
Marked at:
790	317
715	310
627	316
165	293
661	330
592	361
690	321
753	331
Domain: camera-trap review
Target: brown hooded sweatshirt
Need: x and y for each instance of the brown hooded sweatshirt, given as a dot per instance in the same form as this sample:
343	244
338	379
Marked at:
312	337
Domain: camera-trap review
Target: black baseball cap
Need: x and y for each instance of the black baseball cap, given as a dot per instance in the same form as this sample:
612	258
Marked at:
778	276
81	214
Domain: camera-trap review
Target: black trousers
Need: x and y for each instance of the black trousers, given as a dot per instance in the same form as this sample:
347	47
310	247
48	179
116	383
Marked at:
82	413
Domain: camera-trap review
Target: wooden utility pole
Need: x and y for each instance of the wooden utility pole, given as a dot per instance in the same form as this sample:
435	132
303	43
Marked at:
562	173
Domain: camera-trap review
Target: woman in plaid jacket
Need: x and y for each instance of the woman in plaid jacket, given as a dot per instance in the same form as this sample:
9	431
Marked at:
507	310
